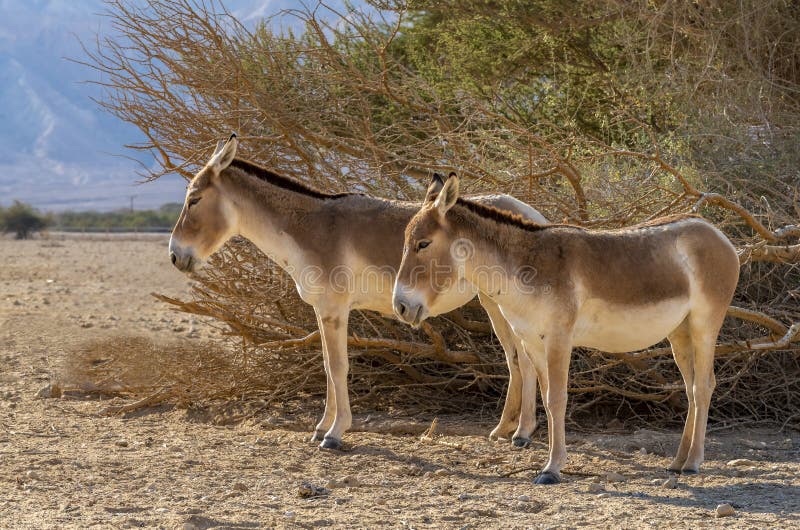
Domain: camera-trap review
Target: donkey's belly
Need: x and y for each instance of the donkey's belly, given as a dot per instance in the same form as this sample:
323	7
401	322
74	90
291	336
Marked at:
616	328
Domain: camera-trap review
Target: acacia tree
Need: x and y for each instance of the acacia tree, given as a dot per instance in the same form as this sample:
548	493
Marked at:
602	115
22	219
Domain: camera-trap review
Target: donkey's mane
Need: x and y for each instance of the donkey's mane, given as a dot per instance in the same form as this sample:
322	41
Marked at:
508	218
501	216
281	181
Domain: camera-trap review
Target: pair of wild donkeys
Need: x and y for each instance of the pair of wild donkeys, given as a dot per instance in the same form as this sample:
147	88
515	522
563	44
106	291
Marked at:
546	287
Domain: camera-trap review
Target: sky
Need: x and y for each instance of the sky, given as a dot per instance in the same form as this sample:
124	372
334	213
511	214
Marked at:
58	149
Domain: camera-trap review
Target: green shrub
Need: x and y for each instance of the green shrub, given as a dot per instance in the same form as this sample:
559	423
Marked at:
22	219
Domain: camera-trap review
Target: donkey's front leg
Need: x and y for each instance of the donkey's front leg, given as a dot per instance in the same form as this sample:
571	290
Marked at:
330	401
333	330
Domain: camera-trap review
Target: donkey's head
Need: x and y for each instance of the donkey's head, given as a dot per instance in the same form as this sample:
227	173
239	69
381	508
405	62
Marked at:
433	259
208	218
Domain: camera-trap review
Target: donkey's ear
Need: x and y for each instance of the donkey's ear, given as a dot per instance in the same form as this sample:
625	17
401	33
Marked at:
219	147
436	185
448	196
224	155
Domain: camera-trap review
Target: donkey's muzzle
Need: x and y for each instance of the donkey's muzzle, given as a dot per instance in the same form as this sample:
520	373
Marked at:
184	263
408	312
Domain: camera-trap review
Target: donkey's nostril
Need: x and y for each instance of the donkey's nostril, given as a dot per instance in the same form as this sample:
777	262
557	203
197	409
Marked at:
173	257
401	307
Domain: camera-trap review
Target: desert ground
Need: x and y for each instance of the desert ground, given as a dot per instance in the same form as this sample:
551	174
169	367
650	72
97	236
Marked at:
66	463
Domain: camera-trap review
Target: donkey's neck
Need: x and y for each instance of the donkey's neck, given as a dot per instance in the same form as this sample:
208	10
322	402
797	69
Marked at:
274	218
491	264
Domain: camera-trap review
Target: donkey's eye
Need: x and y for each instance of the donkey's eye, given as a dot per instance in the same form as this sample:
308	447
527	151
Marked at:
194	201
423	244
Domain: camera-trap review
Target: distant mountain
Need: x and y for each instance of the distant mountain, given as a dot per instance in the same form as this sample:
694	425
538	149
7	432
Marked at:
58	150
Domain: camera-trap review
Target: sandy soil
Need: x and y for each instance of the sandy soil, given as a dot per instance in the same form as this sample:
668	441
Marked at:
65	464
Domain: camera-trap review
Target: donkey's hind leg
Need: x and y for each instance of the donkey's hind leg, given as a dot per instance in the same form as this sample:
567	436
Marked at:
527	415
704	329
683	351
512	347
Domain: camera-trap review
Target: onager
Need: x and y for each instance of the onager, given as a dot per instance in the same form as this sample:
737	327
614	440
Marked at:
342	251
617	291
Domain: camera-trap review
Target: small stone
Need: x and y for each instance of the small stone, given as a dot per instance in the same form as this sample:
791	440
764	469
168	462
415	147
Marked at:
289	515
238	486
656	481
53	390
754	444
524	498
595	480
604	495
595	488
350	481
32	475
724	510
397	470
307	490
670	483
741	462
463	496
87	325
442	472
121	443
643	451
614	477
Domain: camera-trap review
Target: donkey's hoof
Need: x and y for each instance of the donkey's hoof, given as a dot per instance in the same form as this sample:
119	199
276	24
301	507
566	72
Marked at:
330	443
520	442
546	477
673	471
317	436
689	471
502	432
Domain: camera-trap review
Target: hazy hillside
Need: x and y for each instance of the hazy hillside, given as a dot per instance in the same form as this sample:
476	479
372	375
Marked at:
58	150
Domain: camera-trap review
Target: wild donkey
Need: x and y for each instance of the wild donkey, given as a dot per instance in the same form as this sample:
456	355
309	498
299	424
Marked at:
617	291
343	252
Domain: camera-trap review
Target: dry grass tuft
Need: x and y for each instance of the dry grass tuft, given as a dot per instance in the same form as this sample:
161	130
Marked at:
130	366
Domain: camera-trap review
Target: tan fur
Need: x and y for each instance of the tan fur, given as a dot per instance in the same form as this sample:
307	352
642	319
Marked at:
320	239
618	290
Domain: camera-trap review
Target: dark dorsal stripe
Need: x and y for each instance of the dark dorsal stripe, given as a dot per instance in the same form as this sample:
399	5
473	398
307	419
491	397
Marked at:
658	221
508	218
501	216
281	181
